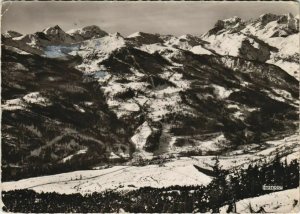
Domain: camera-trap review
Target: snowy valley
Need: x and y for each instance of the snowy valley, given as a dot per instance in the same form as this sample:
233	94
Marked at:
88	111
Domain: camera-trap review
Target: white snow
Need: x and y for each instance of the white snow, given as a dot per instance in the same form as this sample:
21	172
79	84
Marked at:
284	93
185	42
113	156
87	32
233	106
136	85
141	135
19	38
87	103
226	44
262	33
292	68
20	103
274	97
94	51
17	50
32	42
113	88
36	98
151	48
13	104
78	108
221	92
117	178
178	80
160	107
276	202
178	171
288	145
129	106
214	144
123	108
136	34
239	115
161	100
200	50
82	151
287	47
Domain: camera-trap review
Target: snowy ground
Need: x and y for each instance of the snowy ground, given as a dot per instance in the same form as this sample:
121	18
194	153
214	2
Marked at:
31	98
116	178
177	171
277	202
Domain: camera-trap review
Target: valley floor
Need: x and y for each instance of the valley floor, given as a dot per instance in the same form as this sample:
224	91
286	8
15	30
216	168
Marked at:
176	171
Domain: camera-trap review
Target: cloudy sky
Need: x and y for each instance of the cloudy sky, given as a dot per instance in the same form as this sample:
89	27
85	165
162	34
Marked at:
176	18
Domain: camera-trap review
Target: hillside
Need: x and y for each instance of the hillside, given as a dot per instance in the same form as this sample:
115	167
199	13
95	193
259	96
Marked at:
85	98
278	202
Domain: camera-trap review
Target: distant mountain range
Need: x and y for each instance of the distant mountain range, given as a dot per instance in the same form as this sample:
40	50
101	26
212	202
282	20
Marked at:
81	98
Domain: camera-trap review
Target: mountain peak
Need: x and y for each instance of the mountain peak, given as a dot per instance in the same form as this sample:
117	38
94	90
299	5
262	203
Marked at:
117	34
290	15
88	32
278	25
286	22
233	24
53	30
268	17
145	38
230	22
136	34
233	20
140	34
187	36
293	22
11	34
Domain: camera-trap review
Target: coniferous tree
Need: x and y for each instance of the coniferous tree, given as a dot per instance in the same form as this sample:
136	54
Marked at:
218	187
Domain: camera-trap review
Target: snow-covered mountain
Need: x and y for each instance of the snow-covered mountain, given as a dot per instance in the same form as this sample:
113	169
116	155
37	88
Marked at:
39	42
270	38
108	98
85	33
11	34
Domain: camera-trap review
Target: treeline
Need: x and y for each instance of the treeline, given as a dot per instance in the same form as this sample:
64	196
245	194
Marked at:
10	173
226	188
249	181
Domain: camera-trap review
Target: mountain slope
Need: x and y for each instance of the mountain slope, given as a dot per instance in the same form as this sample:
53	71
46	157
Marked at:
270	38
279	202
50	112
86	98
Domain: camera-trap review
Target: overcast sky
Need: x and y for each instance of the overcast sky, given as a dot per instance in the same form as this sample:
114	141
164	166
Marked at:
176	18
